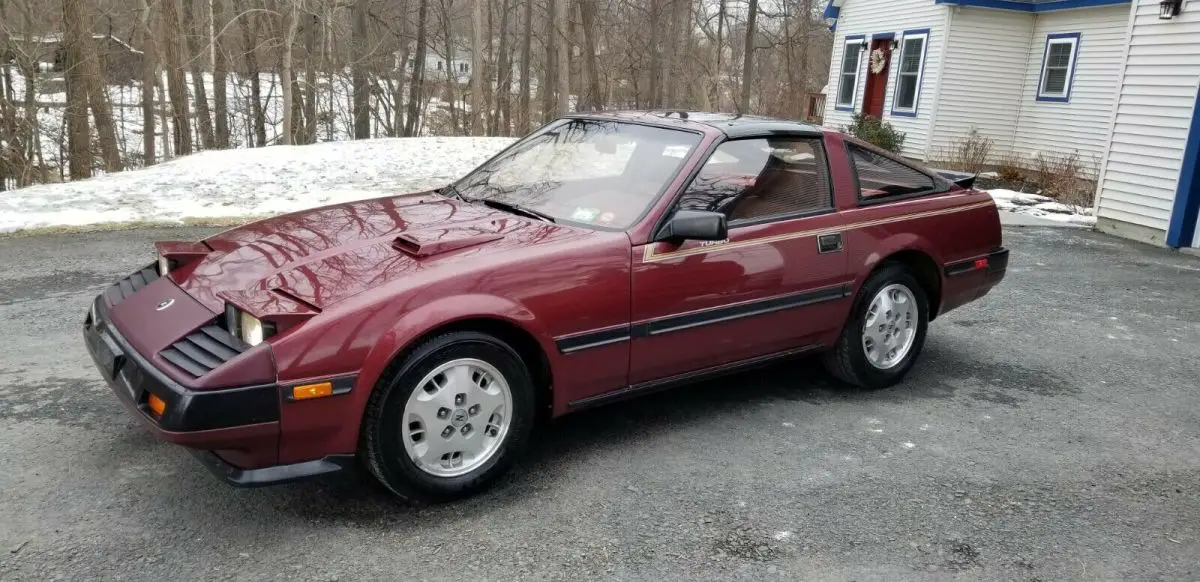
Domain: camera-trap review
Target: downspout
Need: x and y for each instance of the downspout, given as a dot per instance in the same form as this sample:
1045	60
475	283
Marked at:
1029	58
933	111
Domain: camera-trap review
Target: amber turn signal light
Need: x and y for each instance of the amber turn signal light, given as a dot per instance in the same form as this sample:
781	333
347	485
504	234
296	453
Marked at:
156	404
309	391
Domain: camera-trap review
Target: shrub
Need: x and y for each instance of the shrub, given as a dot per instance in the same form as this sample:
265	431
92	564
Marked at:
1011	169
876	132
970	153
1065	178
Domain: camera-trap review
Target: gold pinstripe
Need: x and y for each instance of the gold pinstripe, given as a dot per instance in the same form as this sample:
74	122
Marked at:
649	256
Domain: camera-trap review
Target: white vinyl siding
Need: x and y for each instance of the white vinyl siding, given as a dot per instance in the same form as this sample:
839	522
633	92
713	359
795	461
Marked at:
1153	115
1081	123
867	17
908	77
987	54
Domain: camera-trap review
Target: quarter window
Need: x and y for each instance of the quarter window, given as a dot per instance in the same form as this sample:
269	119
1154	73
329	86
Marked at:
848	79
912	65
1058	65
880	176
751	179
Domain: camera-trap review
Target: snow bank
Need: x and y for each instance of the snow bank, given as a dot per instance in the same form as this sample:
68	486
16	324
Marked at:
248	182
1041	207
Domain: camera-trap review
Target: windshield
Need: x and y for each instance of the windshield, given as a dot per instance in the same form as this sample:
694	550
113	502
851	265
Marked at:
593	172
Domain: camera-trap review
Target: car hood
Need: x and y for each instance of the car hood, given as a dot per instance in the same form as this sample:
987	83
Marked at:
313	259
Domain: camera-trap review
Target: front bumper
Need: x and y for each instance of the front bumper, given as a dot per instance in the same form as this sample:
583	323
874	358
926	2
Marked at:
229	428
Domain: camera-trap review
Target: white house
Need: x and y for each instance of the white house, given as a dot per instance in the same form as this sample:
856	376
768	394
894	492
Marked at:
1104	79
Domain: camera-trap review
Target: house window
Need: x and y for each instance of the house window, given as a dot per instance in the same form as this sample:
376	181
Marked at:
1058	67
908	74
848	77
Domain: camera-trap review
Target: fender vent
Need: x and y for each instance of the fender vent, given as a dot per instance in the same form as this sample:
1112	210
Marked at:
121	290
201	351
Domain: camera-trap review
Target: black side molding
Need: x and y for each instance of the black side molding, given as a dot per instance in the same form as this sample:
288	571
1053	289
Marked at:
993	262
688	378
592	339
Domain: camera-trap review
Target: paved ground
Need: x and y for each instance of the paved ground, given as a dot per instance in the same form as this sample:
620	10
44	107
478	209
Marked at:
1050	432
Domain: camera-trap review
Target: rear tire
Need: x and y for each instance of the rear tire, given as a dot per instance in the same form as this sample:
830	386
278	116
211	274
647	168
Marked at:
449	419
894	303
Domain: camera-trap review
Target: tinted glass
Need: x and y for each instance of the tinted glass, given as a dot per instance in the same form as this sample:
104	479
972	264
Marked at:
603	173
882	176
756	178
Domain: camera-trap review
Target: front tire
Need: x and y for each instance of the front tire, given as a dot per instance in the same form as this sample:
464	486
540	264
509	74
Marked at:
449	419
885	331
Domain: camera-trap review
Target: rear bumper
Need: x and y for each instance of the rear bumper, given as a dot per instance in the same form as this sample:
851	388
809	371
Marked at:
235	431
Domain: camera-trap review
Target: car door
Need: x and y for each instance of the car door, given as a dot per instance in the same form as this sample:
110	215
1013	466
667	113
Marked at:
777	284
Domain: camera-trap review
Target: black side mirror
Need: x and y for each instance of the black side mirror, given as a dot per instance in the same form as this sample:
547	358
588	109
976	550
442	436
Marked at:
694	225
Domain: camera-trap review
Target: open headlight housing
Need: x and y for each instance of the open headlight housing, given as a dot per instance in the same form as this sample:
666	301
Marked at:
246	327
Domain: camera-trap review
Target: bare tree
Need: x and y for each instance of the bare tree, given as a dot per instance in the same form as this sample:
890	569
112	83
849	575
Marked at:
149	79
358	70
748	57
477	69
417	83
191	28
220	74
291	20
176	83
525	113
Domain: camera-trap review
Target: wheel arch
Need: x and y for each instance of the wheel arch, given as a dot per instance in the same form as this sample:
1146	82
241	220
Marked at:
515	328
924	268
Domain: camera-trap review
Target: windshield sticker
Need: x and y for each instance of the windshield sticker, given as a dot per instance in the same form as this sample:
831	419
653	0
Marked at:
607	217
585	214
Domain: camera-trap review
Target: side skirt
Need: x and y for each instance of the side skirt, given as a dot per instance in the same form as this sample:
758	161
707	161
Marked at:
687	378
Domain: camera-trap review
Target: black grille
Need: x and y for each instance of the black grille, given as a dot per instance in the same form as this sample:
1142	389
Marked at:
204	349
121	290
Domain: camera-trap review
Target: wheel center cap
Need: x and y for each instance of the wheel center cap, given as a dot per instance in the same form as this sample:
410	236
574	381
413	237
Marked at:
458	417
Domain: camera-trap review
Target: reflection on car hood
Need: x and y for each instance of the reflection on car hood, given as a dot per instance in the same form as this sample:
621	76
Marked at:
325	255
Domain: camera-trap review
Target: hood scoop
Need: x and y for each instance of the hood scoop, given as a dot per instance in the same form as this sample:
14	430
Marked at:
427	243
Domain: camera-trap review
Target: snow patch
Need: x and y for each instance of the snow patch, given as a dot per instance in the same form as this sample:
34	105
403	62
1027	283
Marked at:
250	182
1041	207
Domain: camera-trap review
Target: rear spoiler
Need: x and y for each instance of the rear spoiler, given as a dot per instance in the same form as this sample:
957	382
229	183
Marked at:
961	179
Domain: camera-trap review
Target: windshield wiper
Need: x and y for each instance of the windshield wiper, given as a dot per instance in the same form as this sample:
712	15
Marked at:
451	191
515	209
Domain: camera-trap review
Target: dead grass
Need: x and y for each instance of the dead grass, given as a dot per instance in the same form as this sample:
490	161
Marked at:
1065	178
966	154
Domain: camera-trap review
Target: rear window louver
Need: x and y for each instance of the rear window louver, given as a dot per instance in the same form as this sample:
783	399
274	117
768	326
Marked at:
121	290
201	351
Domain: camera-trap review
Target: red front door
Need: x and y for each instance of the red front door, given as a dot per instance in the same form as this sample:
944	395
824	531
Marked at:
877	81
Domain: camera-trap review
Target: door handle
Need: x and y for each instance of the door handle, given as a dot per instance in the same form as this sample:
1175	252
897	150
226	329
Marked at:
829	243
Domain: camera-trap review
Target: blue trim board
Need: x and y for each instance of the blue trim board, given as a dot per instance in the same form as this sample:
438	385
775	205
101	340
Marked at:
1020	6
882	36
1070	74
920	72
857	70
1181	231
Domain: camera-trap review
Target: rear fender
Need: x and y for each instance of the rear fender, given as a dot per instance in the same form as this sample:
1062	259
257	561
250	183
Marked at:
893	245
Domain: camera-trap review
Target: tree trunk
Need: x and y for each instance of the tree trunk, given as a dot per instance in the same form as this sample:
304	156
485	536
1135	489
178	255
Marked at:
546	81
358	70
417	83
149	75
477	69
175	81
587	16
655	54
525	115
672	53
101	110
310	79
79	151
564	56
748	57
220	70
191	28
249	36
451	74
715	87
291	19
503	76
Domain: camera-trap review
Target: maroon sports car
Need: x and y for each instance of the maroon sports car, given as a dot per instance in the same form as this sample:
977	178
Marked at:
600	257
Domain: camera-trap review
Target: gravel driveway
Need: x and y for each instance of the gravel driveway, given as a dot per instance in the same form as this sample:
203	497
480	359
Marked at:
1051	431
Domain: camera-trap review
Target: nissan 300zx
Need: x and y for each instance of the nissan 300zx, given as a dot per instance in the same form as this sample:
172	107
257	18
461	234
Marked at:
600	257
